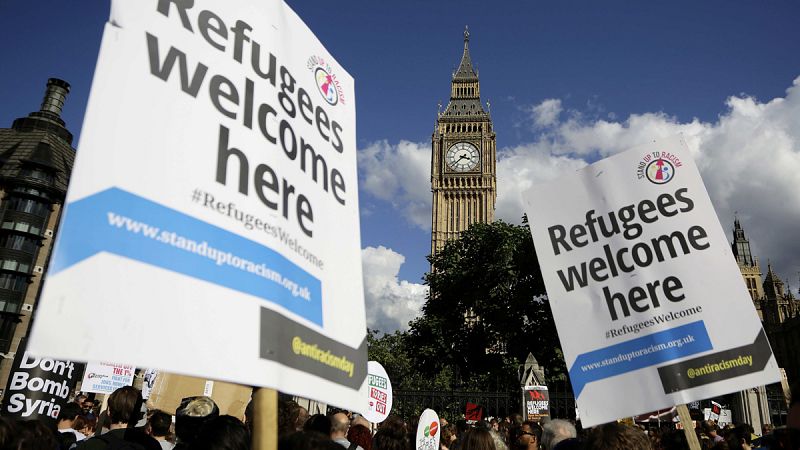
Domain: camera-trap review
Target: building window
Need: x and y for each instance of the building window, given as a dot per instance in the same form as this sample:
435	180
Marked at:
29	206
21	226
37	174
13	264
13	282
19	242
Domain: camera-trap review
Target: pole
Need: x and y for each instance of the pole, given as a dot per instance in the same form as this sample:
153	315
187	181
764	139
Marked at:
265	419
688	427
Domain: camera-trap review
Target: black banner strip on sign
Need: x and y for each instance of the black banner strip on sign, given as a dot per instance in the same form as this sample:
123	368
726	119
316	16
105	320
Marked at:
301	348
718	366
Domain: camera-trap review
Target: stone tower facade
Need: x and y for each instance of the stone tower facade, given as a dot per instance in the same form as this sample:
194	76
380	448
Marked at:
464	159
748	265
36	157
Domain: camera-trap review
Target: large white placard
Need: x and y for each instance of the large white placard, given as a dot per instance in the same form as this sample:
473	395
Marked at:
105	378
215	187
649	303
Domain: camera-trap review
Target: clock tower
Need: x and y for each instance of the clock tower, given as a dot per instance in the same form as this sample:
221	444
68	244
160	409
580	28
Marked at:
463	163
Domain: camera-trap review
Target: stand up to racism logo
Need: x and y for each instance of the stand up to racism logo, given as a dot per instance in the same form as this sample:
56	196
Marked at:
658	167
327	84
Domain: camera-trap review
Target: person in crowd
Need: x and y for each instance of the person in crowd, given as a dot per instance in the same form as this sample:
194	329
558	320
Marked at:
448	436
319	423
307	440
190	418
617	436
124	406
739	438
494	424
85	425
66	420
531	434
710	430
392	435
674	440
340	425
360	435
35	435
223	433
302	418
478	439
288	413
555	432
360	420
159	425
8	433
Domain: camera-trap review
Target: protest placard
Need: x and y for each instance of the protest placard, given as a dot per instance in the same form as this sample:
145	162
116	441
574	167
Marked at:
537	402
428	432
38	387
215	186
379	400
649	304
105	378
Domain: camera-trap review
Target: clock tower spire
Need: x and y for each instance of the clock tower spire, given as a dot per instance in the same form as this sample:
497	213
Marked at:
463	163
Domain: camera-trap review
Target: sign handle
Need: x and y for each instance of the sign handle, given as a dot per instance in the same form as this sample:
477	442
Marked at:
265	419
688	427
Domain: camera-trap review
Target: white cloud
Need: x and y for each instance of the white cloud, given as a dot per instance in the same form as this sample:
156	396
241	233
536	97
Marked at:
749	158
546	113
400	175
390	302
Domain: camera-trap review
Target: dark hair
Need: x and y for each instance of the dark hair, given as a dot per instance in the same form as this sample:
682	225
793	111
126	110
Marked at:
477	439
223	433
616	436
8	432
360	435
288	412
307	440
319	423
391	436
536	429
82	422
35	435
160	422
124	405
70	411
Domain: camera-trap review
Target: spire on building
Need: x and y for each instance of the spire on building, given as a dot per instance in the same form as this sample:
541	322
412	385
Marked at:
466	72
741	246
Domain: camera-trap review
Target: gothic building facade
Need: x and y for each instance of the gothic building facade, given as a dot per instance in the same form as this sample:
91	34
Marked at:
36	157
463	160
776	305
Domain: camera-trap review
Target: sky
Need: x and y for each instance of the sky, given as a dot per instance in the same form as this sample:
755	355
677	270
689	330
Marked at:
568	82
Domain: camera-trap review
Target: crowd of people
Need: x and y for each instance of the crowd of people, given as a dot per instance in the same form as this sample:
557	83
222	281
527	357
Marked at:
126	424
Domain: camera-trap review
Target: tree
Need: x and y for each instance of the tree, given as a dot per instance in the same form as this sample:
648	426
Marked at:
394	354
487	308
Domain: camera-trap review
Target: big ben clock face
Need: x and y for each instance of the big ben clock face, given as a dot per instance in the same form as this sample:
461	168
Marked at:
463	157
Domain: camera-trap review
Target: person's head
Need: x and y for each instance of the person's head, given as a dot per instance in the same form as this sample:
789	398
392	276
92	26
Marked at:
35	435
160	423
80	398
766	429
477	439
556	431
617	436
319	423
391	436
124	406
85	424
360	435
307	440
709	428
68	414
739	437
288	411
192	415
340	423
223	433
302	417
529	436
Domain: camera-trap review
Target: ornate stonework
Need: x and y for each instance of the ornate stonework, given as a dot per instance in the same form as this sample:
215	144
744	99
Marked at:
463	163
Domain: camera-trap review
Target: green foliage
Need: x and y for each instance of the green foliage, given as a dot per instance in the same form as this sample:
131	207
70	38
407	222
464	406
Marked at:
396	356
487	309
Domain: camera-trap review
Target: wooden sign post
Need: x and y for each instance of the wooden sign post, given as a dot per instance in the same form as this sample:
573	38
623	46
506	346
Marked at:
688	427
265	419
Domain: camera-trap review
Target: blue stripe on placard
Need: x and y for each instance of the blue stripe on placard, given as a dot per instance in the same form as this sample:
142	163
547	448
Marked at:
118	222
638	353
